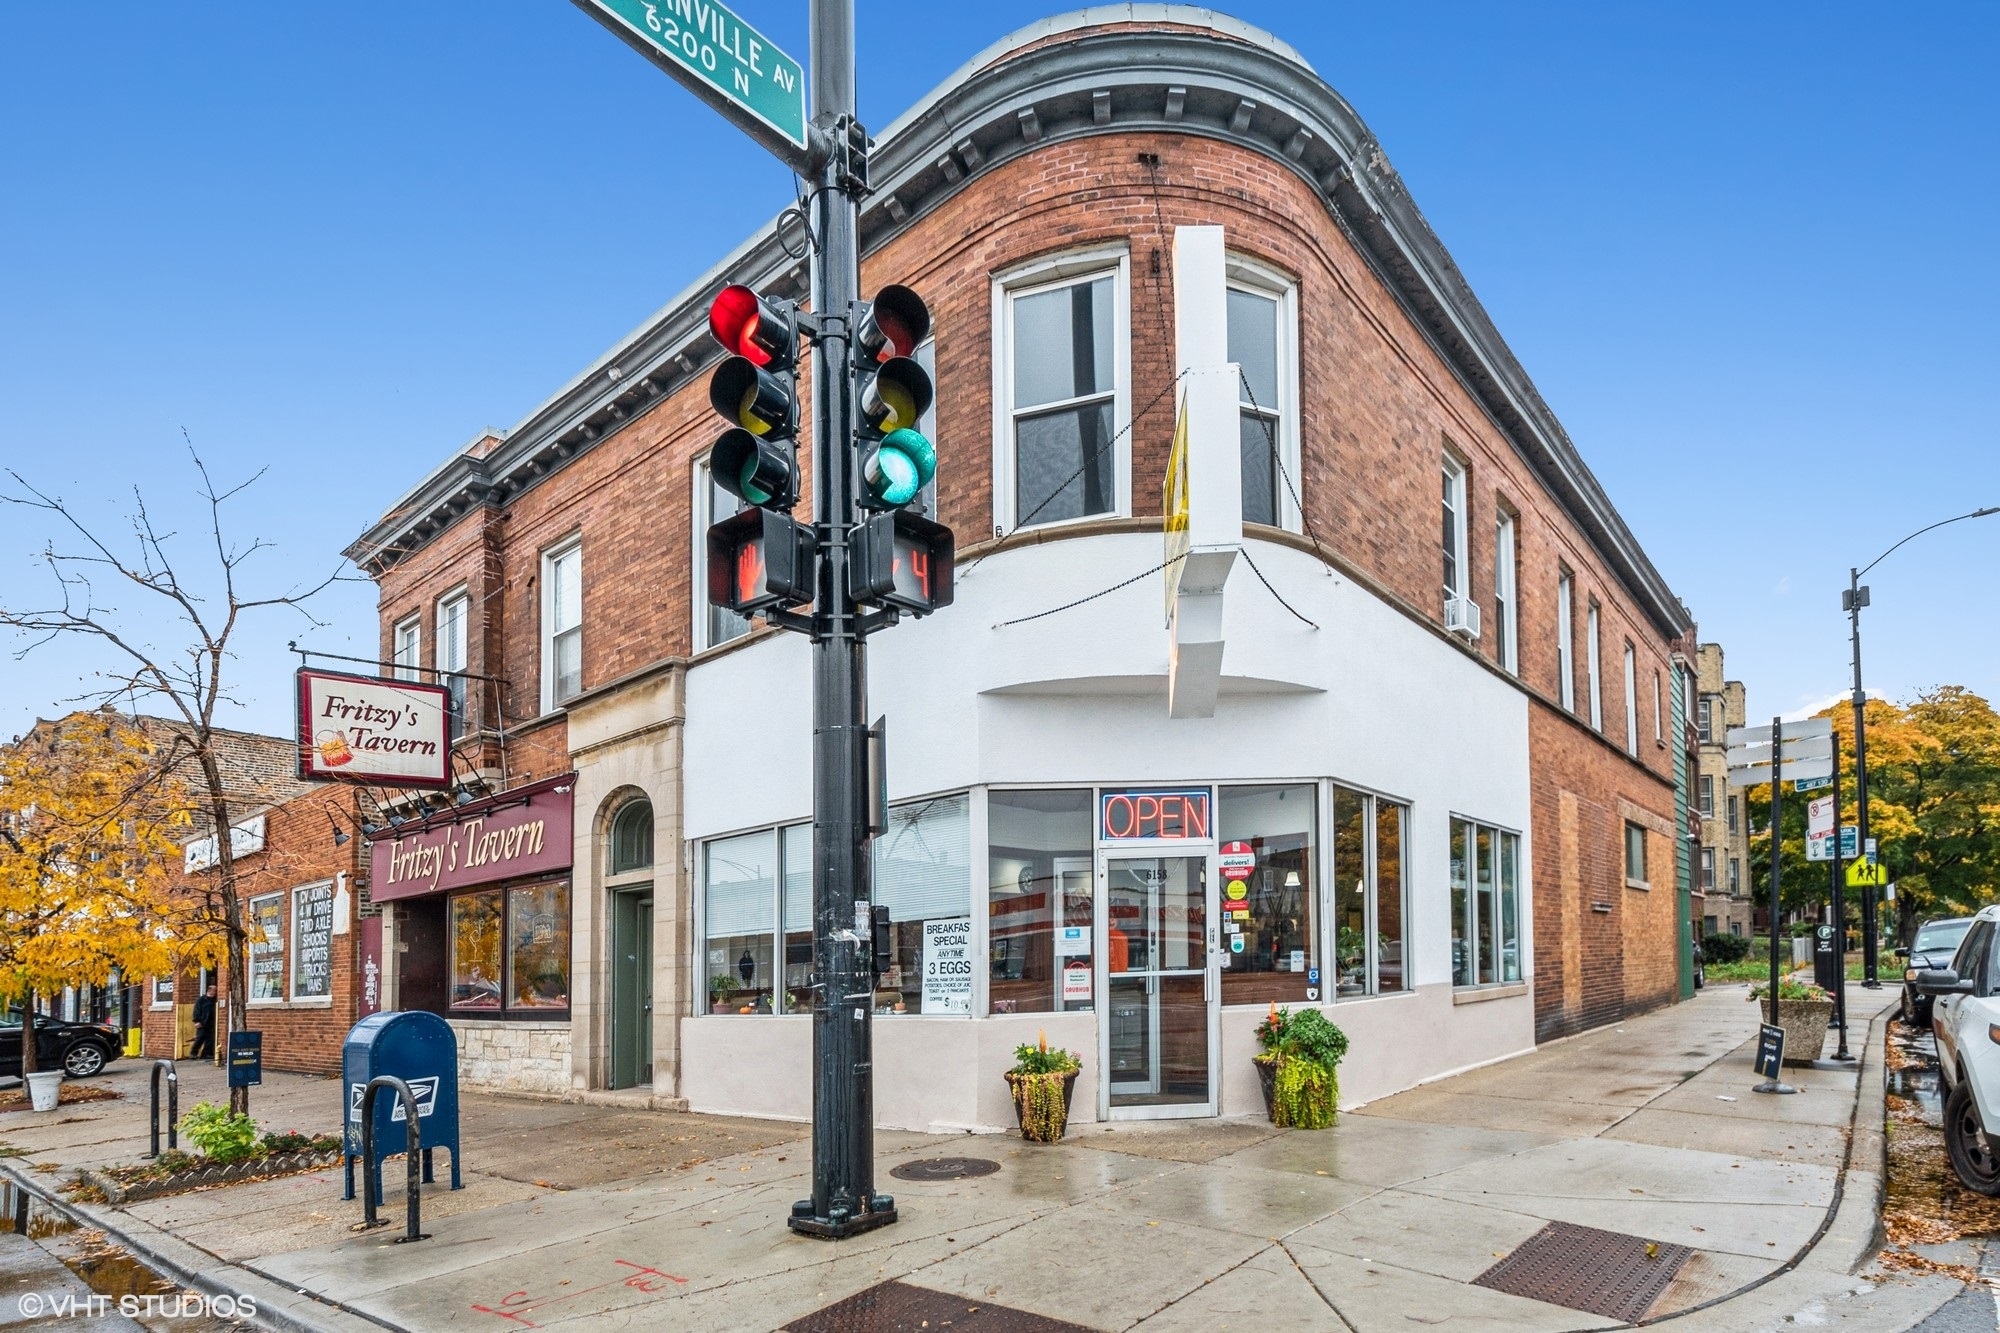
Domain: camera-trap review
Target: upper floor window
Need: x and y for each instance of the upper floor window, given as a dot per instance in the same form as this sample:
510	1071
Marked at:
1734	806
1635	855
1505	613
1060	387
406	647
1455	572
1659	719
562	624
1263	323
1565	639
452	614
713	624
1631	701
1590	671
1707	805
1704	719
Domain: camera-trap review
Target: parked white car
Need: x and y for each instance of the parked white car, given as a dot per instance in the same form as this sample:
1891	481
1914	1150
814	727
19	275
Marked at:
1965	1017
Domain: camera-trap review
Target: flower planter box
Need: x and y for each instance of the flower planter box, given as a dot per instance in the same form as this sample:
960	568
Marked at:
1805	1023
1018	1084
1267	1083
273	1164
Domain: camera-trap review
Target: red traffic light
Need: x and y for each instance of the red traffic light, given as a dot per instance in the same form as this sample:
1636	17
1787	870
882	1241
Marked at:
893	324
749	326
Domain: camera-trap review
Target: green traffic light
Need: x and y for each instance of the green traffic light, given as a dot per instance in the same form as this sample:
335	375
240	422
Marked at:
900	467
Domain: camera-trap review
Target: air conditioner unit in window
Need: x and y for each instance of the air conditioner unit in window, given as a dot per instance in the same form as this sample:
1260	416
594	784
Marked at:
1461	616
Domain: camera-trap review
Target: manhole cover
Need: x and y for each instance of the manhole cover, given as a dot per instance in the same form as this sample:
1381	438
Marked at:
899	1307
945	1168
1582	1268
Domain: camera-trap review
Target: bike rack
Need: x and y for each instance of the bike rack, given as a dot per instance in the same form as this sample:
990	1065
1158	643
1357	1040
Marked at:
173	1109
371	1186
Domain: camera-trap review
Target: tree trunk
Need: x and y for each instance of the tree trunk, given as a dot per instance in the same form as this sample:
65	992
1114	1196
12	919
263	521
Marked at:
29	1064
234	933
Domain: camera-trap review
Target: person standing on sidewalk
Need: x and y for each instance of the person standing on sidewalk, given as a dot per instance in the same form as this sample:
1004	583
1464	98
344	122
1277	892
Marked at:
204	1026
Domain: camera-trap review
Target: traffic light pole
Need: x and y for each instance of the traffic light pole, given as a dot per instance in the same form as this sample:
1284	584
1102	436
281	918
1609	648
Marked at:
844	1202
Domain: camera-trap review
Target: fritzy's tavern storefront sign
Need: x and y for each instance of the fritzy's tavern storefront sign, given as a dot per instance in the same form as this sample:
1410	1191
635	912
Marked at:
521	832
394	733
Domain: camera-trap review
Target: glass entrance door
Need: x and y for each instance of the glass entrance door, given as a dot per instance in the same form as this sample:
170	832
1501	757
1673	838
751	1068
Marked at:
1156	1039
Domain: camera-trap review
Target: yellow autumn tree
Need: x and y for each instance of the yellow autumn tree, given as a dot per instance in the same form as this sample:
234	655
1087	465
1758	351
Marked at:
89	869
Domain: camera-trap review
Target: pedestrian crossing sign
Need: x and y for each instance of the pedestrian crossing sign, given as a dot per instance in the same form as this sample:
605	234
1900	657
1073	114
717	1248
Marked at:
1866	874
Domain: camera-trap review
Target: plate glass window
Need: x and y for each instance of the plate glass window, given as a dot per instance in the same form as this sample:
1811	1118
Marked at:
1064	409
452	614
562	620
718	623
1271	910
923	875
1367	894
312	942
267	947
1485	904
1041	910
1256	320
1506	653
407	648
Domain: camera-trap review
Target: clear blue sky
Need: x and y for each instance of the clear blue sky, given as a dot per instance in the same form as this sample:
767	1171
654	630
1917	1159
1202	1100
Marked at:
1747	252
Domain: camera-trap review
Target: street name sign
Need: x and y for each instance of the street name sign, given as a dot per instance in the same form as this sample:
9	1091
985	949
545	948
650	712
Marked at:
1812	784
1804	729
723	61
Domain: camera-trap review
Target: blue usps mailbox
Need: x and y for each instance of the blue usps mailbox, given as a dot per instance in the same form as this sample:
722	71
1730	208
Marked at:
420	1049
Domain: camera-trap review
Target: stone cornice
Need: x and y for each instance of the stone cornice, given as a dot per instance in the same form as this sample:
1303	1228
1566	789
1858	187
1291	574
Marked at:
1188	78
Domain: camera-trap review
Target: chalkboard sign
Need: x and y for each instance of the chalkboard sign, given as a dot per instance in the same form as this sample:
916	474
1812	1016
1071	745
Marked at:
1770	1049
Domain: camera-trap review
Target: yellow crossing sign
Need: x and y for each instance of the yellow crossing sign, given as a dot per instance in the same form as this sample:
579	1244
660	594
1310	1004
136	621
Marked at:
1862	875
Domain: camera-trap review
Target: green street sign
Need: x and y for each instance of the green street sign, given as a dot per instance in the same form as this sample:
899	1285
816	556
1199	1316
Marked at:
720	59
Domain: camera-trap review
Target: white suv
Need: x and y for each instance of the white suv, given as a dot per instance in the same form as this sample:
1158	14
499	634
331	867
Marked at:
1965	1017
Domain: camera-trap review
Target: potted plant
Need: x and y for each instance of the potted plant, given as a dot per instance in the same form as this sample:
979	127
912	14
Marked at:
1803	1012
720	988
1298	1068
1042	1081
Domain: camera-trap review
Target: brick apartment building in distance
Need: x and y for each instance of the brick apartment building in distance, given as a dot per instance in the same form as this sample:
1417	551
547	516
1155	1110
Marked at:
1723	874
1451	749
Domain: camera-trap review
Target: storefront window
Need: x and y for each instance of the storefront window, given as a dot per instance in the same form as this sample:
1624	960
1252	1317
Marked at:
923	875
1485	904
475	950
1040	922
267	947
1270	932
312	942
740	913
796	847
1367	894
538	947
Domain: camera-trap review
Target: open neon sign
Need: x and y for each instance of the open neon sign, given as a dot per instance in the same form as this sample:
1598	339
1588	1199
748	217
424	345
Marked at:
1179	813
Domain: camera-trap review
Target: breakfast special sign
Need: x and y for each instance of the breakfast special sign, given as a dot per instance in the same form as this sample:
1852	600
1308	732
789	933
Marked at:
394	733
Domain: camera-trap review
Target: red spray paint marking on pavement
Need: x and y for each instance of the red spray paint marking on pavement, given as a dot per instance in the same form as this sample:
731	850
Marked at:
516	1306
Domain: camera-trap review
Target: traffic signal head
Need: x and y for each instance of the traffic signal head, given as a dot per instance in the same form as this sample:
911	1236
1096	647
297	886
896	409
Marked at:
755	399
899	466
751	327
891	325
756	469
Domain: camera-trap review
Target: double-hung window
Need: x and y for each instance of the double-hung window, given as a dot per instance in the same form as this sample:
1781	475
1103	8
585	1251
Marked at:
1635	856
1455	572
1505	648
1485	904
1733	807
1591	678
1565	639
1631	701
1263	322
1707	806
1061	390
406	647
1735	877
452	614
1707	869
713	624
1659	718
1705	720
562	624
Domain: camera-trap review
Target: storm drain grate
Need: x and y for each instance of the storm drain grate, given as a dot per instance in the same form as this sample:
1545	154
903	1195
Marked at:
945	1168
897	1307
1582	1268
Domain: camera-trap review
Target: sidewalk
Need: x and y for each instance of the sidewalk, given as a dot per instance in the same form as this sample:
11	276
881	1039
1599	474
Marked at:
588	1217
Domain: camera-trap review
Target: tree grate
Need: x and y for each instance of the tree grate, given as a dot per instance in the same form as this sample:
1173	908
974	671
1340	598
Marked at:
1582	1268
898	1307
945	1168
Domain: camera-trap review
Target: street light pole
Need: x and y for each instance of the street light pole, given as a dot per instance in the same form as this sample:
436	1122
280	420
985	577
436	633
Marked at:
1852	601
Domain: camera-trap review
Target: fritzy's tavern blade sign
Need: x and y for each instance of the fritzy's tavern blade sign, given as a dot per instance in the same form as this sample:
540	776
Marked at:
394	733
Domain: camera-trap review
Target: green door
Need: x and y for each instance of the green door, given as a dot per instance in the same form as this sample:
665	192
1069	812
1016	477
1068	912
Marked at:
632	988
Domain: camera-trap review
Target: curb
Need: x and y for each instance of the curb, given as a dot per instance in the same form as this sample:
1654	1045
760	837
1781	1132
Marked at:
280	1308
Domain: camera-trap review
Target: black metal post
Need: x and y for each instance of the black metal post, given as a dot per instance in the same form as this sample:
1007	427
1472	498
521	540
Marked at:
173	1109
843	1202
371	1184
1869	929
1839	913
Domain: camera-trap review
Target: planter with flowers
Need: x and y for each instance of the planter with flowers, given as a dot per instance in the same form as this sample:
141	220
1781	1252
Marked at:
1804	1011
1042	1081
1299	1067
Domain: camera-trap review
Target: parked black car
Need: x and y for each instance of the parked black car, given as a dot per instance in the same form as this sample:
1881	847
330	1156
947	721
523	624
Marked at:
78	1049
1934	947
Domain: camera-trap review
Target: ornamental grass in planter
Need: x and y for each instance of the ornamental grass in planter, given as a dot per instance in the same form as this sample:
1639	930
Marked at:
1804	1011
1299	1068
1042	1081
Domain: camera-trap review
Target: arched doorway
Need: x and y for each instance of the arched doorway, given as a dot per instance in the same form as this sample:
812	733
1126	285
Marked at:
629	877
